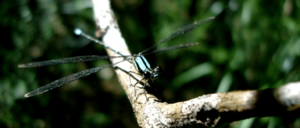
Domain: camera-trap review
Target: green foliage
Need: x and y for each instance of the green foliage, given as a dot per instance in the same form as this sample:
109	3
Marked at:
251	44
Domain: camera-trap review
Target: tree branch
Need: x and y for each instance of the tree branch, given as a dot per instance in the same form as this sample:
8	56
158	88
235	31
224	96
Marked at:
207	110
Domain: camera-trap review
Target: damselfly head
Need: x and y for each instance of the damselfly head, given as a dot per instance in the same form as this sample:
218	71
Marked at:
156	72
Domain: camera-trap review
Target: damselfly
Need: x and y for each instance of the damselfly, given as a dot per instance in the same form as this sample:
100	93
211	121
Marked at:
138	60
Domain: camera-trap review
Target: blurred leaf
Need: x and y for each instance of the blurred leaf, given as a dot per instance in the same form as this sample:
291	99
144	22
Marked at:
192	74
247	123
225	83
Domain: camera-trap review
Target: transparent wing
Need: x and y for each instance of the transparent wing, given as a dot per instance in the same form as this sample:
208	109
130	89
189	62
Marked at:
180	32
65	60
67	79
170	48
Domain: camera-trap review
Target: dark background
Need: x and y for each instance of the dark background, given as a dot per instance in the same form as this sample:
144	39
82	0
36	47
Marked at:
252	44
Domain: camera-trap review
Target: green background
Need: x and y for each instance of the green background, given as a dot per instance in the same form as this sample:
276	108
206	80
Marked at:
252	44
